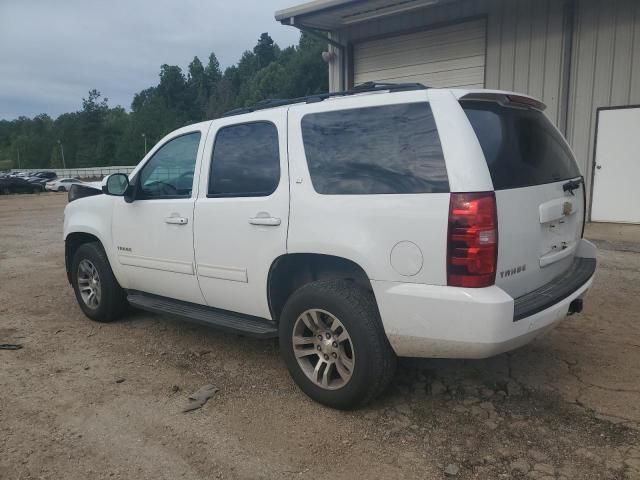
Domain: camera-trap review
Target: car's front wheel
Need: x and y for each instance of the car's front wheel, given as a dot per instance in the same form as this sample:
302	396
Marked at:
334	345
98	293
62	189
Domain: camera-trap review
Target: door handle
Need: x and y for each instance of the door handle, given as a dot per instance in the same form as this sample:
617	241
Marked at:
176	220
268	221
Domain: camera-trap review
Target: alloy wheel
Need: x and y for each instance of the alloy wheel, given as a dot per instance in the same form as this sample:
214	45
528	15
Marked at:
89	284
323	348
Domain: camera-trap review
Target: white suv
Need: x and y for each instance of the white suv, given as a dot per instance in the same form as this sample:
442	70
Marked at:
392	220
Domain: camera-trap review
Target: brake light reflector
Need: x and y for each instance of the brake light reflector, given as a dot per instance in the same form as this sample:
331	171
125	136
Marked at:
472	243
526	101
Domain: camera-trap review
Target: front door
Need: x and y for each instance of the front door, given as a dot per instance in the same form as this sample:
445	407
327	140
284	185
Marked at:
154	234
616	196
242	211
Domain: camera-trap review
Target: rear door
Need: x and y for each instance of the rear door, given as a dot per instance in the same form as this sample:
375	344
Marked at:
539	193
242	212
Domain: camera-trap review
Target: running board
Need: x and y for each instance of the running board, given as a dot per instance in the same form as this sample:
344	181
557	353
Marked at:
212	317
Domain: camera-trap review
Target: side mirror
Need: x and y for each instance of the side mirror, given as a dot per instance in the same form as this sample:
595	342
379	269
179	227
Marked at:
116	184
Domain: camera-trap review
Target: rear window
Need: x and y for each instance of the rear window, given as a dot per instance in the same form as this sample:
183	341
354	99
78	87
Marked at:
375	150
521	146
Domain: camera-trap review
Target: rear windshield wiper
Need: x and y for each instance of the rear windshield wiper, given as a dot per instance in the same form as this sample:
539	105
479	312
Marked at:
572	185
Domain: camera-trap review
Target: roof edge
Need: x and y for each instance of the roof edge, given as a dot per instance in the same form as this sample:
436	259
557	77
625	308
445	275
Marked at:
309	7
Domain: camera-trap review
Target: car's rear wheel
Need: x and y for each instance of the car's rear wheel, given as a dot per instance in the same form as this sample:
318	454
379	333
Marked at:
98	293
334	345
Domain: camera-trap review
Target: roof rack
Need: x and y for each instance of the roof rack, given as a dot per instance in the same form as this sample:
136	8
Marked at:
319	97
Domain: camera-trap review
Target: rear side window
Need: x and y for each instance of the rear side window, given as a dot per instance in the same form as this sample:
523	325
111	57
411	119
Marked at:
375	150
521	146
246	161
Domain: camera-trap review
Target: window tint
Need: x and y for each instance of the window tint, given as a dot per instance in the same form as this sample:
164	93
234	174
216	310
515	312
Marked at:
169	173
521	146
375	150
245	161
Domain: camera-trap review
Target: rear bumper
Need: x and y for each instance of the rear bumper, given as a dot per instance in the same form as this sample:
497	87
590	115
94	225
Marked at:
556	290
449	322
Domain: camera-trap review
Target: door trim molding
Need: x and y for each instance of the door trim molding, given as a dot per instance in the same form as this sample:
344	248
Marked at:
223	272
173	266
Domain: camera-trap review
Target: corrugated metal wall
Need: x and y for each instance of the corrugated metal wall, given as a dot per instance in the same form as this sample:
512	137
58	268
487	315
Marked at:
574	63
524	42
605	68
527	49
450	56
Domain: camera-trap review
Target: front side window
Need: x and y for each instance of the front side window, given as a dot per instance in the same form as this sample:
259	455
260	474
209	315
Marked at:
375	150
245	161
169	173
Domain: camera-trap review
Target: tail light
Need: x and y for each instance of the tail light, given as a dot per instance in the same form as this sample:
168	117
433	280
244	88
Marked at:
584	207
527	102
472	243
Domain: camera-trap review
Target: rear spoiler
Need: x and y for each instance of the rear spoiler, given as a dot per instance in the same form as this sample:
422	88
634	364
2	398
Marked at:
506	99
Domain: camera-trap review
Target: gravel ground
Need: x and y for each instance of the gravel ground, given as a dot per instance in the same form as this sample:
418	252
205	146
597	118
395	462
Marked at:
83	400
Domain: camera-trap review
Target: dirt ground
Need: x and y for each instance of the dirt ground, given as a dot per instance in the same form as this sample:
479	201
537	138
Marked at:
84	401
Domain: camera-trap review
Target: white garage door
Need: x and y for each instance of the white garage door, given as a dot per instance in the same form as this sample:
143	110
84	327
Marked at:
452	56
616	196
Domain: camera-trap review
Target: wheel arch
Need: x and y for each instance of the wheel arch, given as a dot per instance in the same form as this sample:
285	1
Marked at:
291	271
72	242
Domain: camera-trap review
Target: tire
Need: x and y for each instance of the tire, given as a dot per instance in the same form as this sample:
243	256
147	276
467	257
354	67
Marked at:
112	300
62	189
6	191
373	360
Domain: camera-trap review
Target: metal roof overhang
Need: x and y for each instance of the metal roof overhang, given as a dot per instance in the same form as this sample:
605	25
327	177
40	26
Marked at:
330	15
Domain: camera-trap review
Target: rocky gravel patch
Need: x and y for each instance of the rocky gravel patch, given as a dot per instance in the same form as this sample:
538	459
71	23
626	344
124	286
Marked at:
503	428
565	407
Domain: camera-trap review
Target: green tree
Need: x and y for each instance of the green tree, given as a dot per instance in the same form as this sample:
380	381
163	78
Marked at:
98	134
212	73
92	119
172	86
196	91
265	51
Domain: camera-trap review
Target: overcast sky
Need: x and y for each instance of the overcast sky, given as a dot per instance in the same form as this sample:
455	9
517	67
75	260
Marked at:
53	51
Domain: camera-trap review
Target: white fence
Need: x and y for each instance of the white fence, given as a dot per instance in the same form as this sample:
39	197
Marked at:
92	172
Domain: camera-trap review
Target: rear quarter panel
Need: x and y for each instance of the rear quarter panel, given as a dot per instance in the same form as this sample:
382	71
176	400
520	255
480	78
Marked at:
365	228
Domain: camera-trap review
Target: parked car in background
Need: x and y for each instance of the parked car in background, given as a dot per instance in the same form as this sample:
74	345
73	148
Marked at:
45	175
41	178
48	174
37	182
62	184
17	185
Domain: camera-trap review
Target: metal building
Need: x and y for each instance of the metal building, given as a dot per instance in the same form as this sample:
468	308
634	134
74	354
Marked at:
581	57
